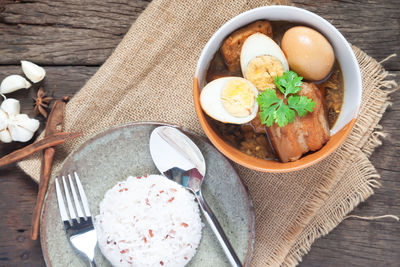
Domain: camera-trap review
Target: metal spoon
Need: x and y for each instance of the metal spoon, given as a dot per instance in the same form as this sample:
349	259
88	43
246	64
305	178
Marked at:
179	159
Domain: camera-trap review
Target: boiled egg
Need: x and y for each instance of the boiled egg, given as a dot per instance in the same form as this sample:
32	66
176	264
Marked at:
230	100
261	60
308	52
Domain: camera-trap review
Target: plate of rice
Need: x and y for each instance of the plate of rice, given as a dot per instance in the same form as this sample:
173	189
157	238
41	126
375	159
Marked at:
141	217
148	221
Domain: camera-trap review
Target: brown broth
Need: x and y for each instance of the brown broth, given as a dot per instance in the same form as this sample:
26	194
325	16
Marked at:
245	137
333	91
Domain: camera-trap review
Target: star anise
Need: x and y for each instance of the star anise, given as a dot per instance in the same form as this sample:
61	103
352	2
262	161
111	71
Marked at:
41	103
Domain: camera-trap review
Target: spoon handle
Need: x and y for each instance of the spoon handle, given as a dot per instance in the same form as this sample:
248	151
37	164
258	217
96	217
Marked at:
218	231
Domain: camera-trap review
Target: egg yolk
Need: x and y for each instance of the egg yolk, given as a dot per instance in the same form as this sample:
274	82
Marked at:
238	98
262	70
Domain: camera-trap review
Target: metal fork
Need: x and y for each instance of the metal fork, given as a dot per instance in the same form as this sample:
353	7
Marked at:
78	224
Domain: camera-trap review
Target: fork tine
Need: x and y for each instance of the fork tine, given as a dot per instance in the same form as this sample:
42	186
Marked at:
61	205
82	195
80	232
76	200
69	202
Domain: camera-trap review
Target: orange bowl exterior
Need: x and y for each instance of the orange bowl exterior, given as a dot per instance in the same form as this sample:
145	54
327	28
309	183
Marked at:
260	164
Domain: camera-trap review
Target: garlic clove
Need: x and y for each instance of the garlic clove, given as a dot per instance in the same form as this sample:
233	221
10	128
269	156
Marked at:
5	136
34	72
11	106
19	133
15	126
4	133
3	120
24	121
13	83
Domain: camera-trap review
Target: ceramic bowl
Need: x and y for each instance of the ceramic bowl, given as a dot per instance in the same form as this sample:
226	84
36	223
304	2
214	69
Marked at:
344	55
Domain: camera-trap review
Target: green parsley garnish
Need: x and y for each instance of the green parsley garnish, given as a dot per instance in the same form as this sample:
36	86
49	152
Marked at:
273	109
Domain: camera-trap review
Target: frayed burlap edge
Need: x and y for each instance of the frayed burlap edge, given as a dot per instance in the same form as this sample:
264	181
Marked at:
299	223
368	133
322	225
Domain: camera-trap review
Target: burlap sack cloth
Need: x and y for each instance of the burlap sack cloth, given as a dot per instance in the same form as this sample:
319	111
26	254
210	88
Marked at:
149	77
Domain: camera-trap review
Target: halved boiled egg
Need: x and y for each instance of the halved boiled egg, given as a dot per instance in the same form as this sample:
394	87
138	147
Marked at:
230	100
261	60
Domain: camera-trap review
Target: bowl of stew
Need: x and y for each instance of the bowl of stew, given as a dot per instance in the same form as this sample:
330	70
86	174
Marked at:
277	89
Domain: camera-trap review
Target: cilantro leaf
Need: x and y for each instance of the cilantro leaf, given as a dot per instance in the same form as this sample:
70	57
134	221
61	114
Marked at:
289	83
301	104
284	115
273	108
268	115
268	102
280	84
267	98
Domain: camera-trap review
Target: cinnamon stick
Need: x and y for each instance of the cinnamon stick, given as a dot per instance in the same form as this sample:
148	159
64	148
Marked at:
55	123
50	141
48	156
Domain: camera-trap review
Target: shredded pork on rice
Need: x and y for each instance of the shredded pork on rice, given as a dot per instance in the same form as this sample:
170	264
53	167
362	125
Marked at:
148	221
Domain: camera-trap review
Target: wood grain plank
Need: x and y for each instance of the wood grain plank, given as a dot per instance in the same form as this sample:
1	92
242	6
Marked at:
67	32
73	32
357	243
17	199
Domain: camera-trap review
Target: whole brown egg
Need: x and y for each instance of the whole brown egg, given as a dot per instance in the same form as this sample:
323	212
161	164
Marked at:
308	52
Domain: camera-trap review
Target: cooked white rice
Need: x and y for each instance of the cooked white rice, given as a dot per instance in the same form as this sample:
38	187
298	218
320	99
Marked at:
148	221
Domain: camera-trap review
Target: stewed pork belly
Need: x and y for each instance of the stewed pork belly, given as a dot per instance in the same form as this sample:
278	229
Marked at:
308	133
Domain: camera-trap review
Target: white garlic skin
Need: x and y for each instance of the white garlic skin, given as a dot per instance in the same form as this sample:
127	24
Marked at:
13	83
5	136
20	133
34	72
3	120
27	123
15	126
11	107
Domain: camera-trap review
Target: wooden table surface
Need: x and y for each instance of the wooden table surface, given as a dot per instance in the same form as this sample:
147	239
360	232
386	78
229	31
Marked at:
72	38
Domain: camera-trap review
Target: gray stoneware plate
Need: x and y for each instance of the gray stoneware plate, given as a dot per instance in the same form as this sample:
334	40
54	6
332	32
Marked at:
116	153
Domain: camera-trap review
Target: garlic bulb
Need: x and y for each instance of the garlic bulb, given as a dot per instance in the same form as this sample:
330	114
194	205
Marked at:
15	126
34	72
13	83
